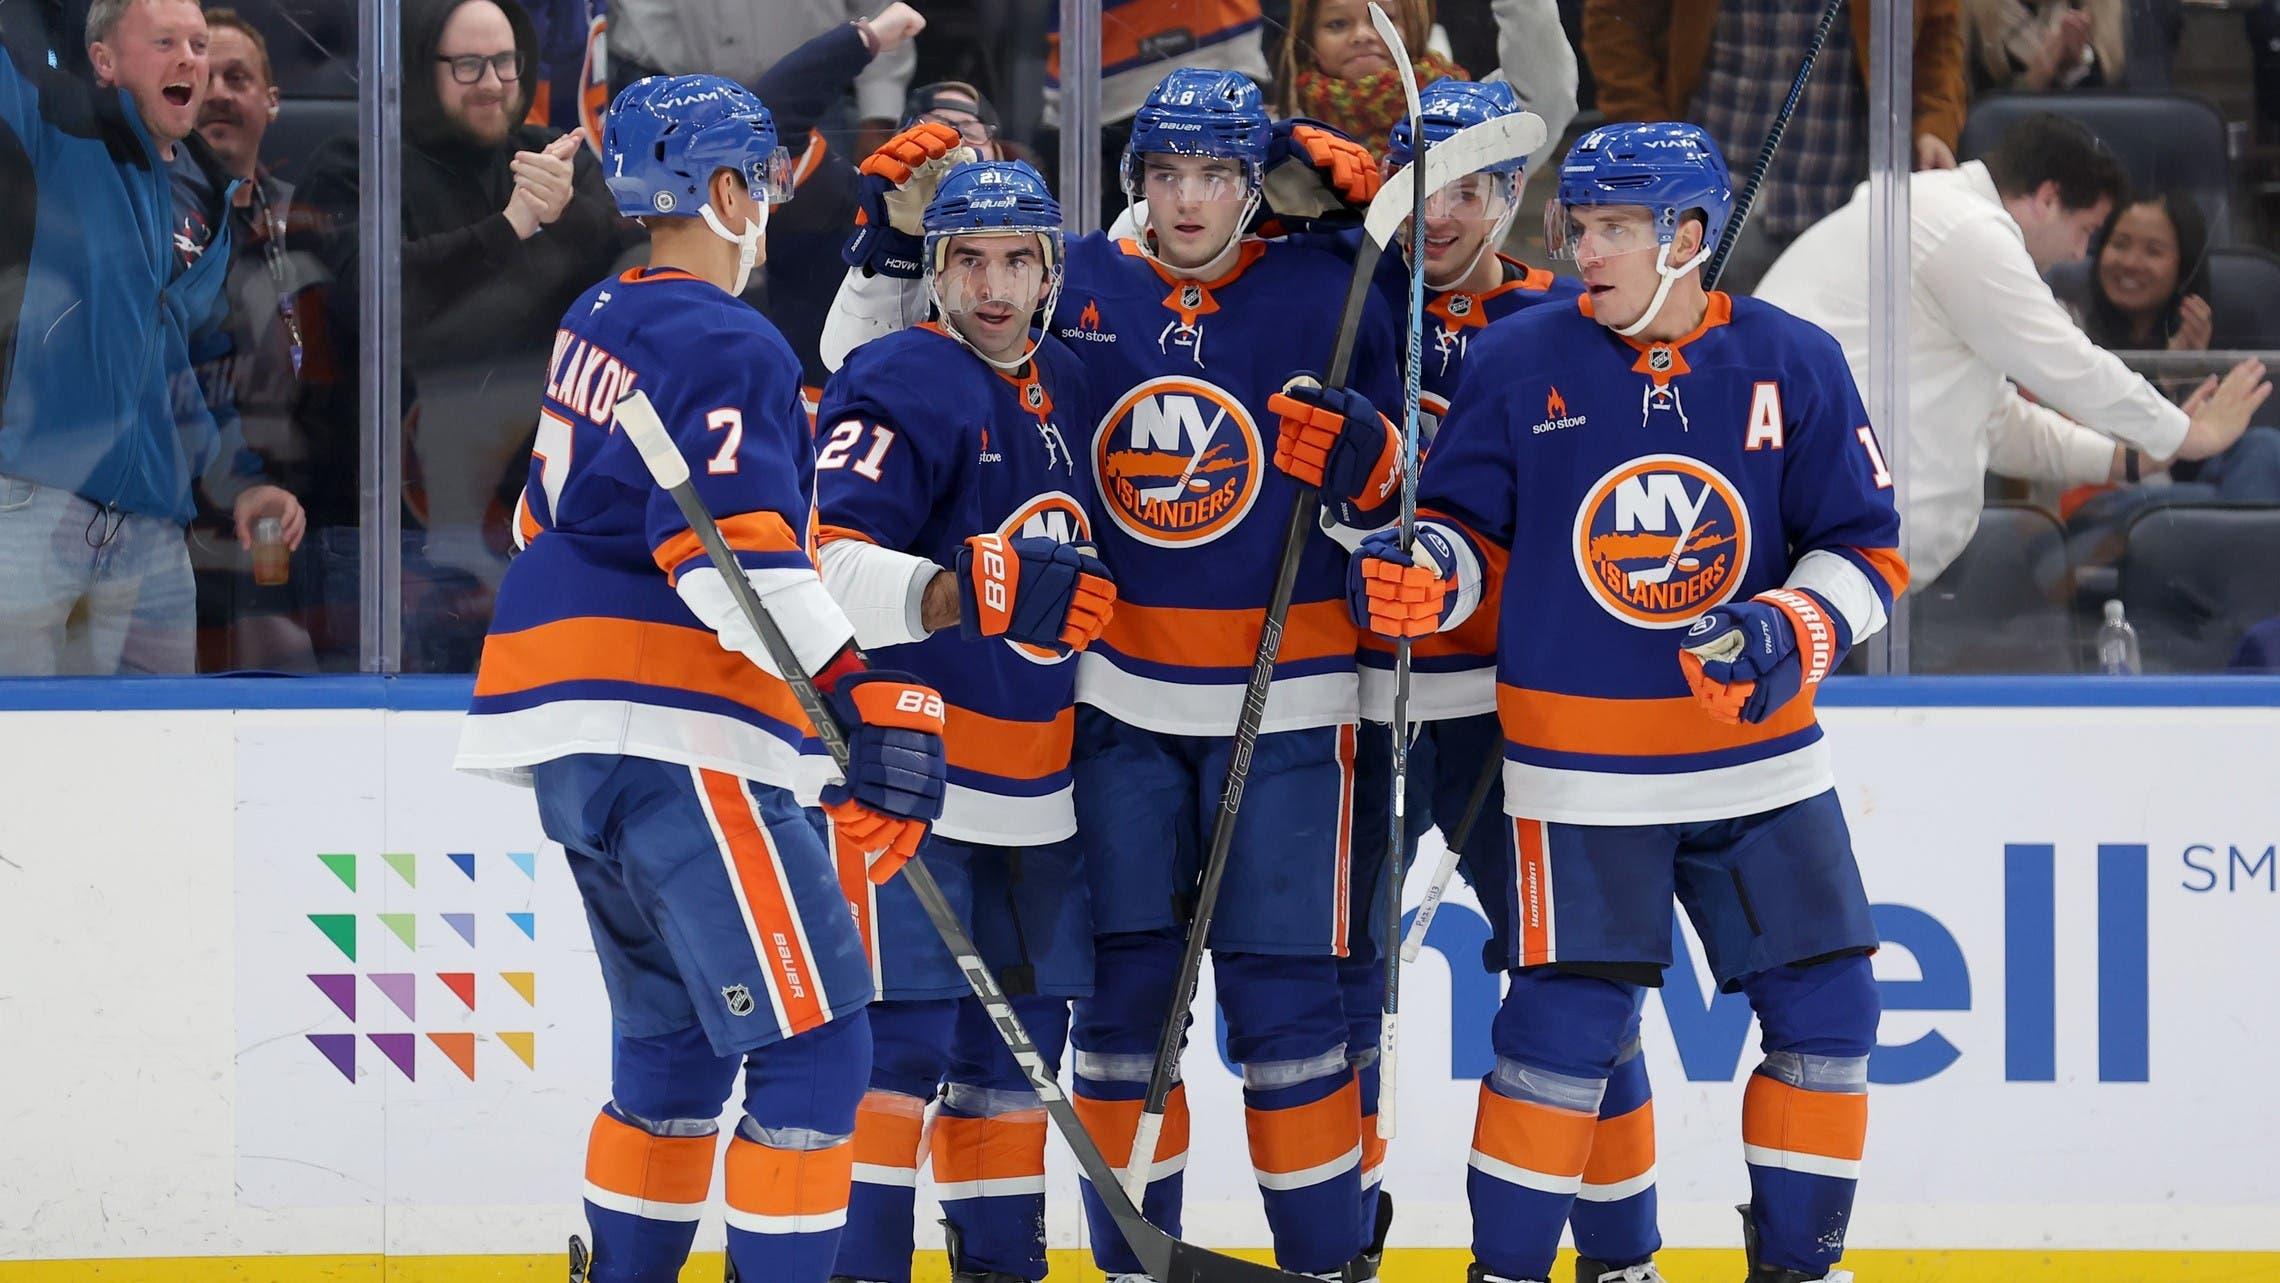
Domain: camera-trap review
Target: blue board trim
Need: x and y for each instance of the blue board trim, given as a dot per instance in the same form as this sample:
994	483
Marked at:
425	694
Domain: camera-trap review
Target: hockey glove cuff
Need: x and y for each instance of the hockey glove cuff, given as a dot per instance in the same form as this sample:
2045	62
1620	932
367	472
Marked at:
1396	593
1317	178
1746	660
894	786
893	187
1334	440
1040	592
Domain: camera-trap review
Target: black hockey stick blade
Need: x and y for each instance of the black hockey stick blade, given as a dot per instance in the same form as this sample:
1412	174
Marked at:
1165	1258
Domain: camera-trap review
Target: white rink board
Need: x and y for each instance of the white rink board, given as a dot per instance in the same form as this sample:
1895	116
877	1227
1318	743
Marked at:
161	1095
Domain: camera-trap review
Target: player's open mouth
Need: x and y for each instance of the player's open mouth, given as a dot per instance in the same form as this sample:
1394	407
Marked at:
1438	244
1191	229
177	93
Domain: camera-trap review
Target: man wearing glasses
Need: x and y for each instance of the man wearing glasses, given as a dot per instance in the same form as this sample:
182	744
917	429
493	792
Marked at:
960	106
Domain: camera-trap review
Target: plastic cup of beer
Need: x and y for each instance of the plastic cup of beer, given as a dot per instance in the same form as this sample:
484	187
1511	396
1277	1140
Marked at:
272	561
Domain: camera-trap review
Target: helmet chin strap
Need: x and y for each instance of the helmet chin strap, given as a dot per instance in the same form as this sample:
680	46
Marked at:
747	243
1029	349
1210	268
1669	277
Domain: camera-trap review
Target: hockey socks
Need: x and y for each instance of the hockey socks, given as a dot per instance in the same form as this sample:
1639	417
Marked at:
1114	1036
791	1162
910	1048
649	1157
989	1142
1305	1125
1805	1112
1614	1213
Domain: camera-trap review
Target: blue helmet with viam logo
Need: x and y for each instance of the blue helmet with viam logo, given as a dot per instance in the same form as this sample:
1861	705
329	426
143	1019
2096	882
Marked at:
1668	167
1449	105
666	136
1197	111
993	198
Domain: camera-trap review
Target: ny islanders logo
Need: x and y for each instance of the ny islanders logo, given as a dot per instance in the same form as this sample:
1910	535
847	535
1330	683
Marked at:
1177	462
1660	539
1052	515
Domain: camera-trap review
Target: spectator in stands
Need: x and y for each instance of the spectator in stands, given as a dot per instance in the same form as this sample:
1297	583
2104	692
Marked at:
244	624
116	208
504	224
742	39
1728	64
960	106
2034	46
1982	325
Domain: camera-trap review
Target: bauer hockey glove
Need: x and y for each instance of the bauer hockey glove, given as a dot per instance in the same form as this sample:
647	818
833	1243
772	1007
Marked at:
1317	179
1334	440
1038	591
894	783
1398	594
1745	660
893	185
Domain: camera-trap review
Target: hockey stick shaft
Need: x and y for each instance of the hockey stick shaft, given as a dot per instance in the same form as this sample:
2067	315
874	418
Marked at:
1758	171
1475	802
1161	1254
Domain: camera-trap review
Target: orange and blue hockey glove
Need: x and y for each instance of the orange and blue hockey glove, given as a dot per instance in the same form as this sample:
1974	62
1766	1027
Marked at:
1334	440
1396	593
893	185
1041	592
1747	659
1317	179
895	767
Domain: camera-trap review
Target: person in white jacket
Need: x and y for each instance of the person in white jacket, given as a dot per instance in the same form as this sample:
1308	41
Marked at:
1983	329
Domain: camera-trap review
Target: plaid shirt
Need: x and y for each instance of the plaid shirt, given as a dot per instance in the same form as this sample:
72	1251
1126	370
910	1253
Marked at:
1824	152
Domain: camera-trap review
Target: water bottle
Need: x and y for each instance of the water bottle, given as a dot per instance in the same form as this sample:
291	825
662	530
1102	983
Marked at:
2117	644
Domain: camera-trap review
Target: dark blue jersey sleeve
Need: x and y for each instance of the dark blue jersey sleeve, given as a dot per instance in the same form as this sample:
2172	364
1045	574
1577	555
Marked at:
735	412
886	455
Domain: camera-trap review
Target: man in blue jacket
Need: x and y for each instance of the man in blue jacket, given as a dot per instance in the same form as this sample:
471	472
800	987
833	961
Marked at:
113	257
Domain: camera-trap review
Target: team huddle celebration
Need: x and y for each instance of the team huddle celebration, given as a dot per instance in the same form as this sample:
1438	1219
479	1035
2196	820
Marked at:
1150	594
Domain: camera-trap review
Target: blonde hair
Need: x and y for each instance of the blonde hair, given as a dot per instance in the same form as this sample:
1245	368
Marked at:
1413	18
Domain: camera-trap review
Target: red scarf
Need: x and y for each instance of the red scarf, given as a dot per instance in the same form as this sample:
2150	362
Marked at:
1367	109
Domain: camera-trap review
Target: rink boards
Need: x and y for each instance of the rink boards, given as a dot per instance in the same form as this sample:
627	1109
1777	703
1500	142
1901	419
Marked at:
283	985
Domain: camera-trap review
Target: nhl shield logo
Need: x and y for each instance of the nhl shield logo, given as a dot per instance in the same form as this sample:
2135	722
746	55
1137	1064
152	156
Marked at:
1460	305
1658	359
739	1000
1033	395
1191	297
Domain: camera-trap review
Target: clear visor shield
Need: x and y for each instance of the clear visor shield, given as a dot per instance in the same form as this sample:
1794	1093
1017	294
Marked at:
1593	234
967	283
771	177
1163	185
1475	200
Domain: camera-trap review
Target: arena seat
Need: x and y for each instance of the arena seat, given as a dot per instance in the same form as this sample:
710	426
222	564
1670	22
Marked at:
2001	606
2165	140
2195	577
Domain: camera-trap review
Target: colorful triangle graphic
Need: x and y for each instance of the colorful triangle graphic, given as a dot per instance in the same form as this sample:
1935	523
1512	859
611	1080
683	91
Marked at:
460	1049
398	1049
340	1049
461	984
406	866
340	928
466	862
396	987
524	1045
405	925
527	862
341	988
527	921
463	923
524	983
343	867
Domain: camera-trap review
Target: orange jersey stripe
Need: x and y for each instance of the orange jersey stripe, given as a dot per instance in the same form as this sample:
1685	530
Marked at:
1778	1116
1533	855
788	1182
776	930
887	1128
1112	1122
1890	564
599	648
989	1149
1632	727
1341	898
1198	638
1540	1138
1306	1136
745	532
624	1159
1012	750
1622	1147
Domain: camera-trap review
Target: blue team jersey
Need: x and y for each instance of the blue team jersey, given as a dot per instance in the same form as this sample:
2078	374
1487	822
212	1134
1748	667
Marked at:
590	648
923	444
1193	510
1617	490
1452	674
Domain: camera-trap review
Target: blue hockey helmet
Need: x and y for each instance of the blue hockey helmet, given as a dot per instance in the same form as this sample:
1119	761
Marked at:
992	198
666	136
1449	105
1667	168
1197	111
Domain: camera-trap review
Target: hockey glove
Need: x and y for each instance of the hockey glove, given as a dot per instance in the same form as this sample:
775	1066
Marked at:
894	783
893	186
1038	591
1334	440
1398	594
1317	179
1744	661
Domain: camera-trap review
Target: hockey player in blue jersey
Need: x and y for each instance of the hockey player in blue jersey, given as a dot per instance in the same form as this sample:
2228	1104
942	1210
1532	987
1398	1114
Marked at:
665	748
956	520
1189	334
1691	522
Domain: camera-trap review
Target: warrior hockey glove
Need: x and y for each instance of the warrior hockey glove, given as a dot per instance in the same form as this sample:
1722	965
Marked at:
1398	594
1334	440
1317	179
1039	591
1746	660
894	786
892	189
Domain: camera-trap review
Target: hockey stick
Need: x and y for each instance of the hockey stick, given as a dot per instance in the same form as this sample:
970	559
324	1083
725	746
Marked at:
1165	1258
1484	144
1413	322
